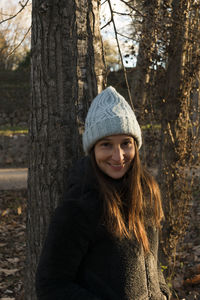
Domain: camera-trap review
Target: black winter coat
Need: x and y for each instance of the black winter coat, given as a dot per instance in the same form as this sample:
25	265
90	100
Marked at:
80	260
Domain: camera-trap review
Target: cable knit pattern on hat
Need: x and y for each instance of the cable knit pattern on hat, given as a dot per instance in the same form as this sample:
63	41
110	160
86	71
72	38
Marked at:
109	114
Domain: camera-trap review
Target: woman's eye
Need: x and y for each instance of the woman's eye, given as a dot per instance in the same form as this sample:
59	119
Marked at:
105	145
127	143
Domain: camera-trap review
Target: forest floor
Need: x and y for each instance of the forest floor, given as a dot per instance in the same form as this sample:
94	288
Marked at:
12	243
186	283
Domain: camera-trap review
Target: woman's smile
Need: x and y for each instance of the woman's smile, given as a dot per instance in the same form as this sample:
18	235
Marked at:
114	154
116	167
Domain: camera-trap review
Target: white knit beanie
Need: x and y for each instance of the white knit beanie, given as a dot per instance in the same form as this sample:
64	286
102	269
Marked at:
109	114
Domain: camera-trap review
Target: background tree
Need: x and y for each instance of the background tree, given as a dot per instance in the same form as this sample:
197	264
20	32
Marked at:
3	51
165	90
67	72
181	73
146	54
111	55
164	82
163	86
15	30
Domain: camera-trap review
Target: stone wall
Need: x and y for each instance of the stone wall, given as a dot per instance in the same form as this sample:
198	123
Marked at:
16	118
13	151
14	98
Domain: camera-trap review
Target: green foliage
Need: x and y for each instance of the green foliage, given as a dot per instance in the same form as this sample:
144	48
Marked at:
12	128
163	268
9	131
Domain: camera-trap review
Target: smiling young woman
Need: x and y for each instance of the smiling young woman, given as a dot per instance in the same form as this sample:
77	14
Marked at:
114	154
102	242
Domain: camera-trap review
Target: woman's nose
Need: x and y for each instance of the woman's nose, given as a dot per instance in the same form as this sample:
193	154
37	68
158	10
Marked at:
117	154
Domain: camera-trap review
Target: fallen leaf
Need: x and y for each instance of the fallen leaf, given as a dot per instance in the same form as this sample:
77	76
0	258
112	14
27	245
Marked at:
8	271
5	212
13	260
8	292
193	281
19	210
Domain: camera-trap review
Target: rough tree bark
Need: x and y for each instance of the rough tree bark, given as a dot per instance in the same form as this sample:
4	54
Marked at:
141	80
147	48
175	146
67	72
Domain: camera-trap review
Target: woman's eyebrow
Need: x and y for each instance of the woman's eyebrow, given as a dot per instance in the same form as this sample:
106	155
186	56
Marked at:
127	139
105	139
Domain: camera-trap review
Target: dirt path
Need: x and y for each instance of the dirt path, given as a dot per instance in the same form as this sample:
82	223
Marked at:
13	179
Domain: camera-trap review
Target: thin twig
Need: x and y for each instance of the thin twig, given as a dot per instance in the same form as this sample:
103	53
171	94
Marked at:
133	8
125	36
120	54
106	24
121	14
170	133
9	54
104	2
12	17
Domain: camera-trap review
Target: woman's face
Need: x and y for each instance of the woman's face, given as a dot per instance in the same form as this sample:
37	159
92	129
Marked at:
114	154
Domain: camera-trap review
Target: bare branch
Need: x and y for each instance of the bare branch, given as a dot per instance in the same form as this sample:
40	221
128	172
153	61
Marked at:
120	54
133	8
104	2
12	17
9	54
125	36
106	24
121	14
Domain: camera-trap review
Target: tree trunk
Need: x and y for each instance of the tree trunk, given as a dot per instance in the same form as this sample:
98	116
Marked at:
147	48
67	73
141	85
175	146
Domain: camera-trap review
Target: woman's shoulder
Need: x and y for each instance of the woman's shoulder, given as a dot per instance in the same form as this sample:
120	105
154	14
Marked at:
81	172
81	191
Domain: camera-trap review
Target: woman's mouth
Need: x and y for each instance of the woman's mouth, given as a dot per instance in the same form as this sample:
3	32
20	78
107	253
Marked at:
116	167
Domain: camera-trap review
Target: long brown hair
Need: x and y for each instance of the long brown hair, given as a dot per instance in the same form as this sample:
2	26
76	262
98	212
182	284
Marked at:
130	201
